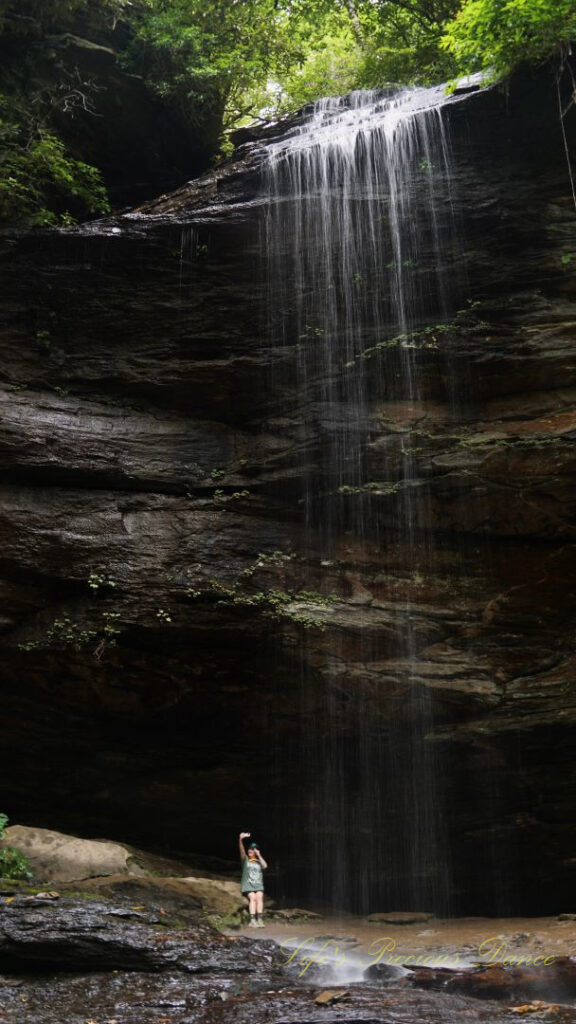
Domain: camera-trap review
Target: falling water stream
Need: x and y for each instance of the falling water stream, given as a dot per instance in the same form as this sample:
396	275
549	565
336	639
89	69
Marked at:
362	249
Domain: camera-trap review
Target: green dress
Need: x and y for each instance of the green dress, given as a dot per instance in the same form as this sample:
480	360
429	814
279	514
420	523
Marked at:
252	876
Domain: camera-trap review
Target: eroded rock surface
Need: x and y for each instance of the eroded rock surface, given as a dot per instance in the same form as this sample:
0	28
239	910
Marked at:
56	857
71	934
154	451
499	982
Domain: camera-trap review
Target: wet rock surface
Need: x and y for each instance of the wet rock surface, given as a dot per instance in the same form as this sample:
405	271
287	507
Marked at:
153	444
145	999
400	917
45	932
71	960
499	982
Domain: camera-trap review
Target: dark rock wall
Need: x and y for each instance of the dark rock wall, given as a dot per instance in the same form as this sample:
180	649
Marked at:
143	143
157	681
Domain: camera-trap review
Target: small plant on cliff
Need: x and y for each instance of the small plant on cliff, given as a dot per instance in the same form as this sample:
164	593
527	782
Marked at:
13	864
66	632
97	580
301	607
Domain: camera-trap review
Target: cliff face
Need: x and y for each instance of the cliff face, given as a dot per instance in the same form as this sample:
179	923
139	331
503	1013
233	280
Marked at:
169	622
71	73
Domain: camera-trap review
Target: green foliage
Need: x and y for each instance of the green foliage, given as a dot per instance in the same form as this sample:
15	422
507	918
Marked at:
212	56
96	580
13	864
66	632
35	17
331	67
43	181
401	43
40	182
373	487
29	16
362	45
299	607
500	34
235	60
430	337
223	63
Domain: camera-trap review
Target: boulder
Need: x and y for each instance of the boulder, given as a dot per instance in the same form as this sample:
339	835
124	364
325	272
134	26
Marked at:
107	867
56	857
386	973
215	896
496	981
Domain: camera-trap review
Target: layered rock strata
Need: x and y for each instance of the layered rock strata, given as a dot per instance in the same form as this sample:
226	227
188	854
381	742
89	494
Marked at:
170	624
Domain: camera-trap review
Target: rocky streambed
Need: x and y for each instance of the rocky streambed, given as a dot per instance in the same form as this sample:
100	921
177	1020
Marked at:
93	958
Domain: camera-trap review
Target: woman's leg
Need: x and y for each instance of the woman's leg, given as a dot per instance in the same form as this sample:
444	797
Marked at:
252	903
259	908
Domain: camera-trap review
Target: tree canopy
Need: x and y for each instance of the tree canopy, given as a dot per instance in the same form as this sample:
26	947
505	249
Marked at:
498	35
221	63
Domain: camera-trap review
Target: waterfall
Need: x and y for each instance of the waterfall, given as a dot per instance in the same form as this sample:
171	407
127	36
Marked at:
362	257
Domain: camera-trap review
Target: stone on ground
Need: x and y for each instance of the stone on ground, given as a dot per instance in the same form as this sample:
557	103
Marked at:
295	914
399	917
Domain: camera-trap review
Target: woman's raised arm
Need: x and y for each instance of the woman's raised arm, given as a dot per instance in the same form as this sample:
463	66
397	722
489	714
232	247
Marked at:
243	835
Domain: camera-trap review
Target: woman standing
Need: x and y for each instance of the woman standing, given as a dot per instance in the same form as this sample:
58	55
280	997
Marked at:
252	882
